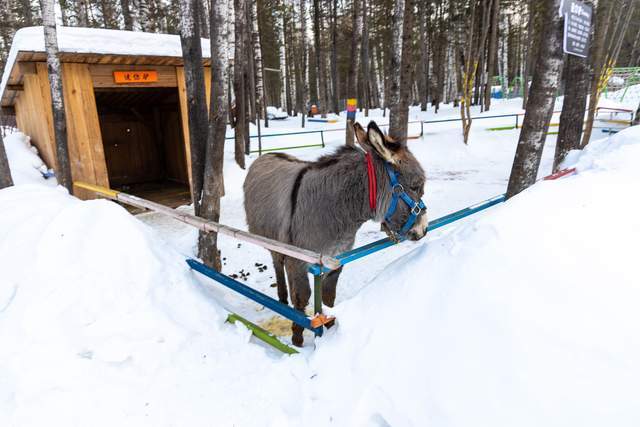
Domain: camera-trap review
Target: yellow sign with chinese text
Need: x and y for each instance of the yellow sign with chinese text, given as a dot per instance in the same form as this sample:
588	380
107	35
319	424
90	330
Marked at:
135	76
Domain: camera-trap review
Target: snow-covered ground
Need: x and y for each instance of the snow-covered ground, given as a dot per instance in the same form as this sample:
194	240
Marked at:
523	315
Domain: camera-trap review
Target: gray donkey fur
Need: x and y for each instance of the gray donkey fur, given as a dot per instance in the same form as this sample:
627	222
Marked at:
321	205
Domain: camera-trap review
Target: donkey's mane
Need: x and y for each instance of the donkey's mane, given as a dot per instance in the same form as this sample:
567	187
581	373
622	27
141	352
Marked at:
333	158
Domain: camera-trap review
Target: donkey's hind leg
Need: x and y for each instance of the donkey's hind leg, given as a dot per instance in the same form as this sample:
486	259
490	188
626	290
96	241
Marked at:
329	287
300	293
278	266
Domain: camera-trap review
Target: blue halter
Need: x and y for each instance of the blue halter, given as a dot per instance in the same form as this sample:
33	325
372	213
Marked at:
398	192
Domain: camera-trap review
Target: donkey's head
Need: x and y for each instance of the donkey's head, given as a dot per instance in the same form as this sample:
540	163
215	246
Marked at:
406	217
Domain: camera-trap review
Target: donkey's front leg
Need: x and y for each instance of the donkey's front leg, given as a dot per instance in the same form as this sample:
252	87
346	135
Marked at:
300	292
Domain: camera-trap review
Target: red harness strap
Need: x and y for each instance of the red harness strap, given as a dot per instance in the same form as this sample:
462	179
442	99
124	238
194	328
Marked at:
373	186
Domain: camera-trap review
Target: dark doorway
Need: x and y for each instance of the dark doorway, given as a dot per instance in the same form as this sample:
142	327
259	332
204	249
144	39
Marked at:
143	143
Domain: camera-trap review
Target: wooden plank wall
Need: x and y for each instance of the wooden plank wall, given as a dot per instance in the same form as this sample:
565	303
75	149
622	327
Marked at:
85	141
182	92
33	111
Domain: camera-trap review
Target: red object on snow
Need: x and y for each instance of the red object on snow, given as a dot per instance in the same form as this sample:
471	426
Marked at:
560	174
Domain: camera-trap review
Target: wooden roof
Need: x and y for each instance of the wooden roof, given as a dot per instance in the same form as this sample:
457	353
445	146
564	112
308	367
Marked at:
90	46
15	81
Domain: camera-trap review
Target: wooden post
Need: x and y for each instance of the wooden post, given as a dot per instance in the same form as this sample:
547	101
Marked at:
317	293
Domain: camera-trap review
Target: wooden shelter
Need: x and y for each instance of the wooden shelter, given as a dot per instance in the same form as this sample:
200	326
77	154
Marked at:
126	111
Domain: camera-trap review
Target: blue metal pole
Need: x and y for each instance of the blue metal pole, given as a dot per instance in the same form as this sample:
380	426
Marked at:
378	245
272	304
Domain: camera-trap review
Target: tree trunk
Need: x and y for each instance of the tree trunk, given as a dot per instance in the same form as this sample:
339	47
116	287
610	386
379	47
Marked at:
335	93
5	171
399	113
261	102
213	188
26	11
424	58
540	104
364	58
352	89
304	71
320	59
239	82
204	18
605	58
395	64
196	98
63	173
126	15
576	76
491	55
82	13
533	40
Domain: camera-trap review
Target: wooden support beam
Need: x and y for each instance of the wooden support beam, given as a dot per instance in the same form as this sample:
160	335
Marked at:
27	67
305	255
18	87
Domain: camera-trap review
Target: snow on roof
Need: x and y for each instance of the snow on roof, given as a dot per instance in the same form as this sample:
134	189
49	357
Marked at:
96	41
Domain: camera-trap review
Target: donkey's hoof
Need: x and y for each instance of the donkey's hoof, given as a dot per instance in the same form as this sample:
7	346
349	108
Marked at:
330	323
297	340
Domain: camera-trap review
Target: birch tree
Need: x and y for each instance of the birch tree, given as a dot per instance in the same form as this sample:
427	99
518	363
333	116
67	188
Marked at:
239	89
196	100
334	57
356	28
5	172
261	100
213	188
540	104
63	172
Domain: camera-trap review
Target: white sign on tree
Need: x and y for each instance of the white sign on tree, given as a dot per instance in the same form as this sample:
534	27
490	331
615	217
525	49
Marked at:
577	27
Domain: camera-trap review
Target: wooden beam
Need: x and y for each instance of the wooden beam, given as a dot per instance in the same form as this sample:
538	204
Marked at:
102	75
209	226
17	88
27	67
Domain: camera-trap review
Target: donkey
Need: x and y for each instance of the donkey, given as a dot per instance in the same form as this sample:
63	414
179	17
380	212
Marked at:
321	205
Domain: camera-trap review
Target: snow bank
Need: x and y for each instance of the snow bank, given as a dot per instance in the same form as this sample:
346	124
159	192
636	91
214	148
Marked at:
102	324
526	316
26	166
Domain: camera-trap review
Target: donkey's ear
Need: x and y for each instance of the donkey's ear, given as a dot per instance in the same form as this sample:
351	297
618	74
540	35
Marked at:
361	136
385	146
